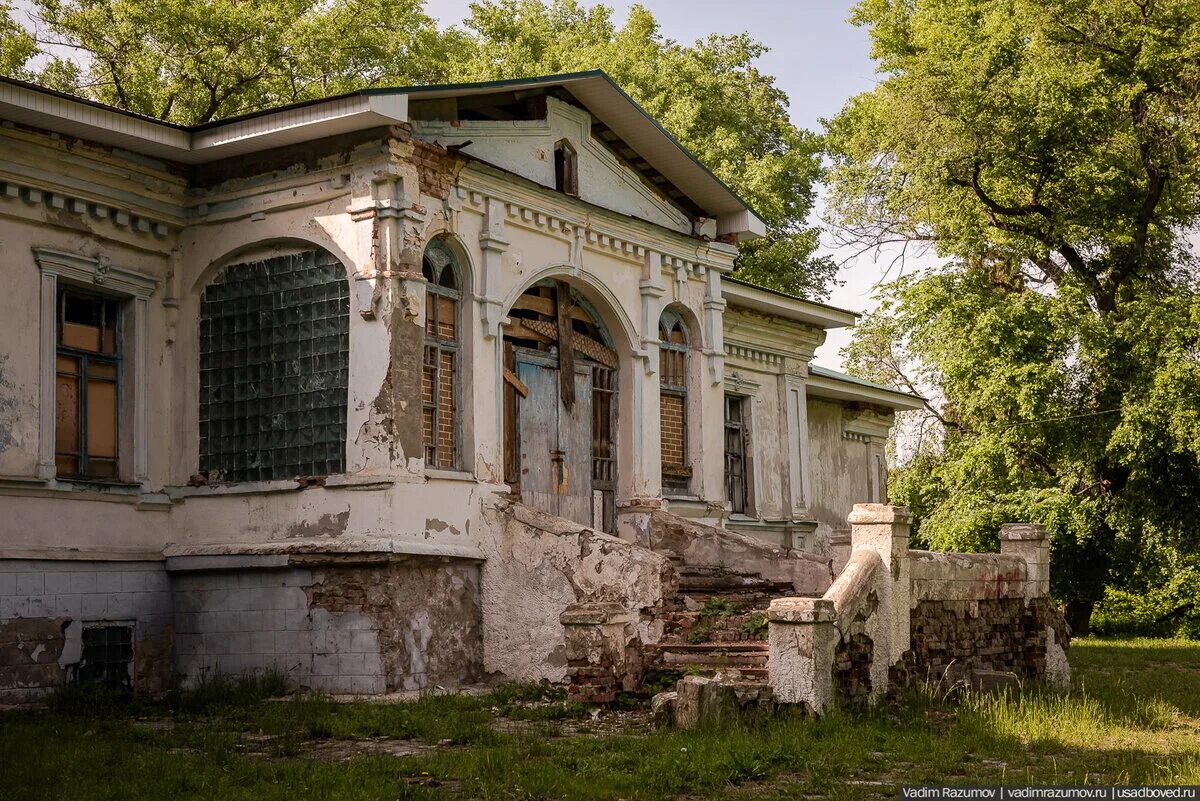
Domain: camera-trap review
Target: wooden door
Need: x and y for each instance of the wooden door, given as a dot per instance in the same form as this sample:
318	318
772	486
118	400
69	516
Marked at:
575	446
555	443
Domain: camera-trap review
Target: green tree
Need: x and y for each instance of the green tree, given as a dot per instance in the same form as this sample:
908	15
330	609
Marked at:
709	95
16	45
1049	148
192	62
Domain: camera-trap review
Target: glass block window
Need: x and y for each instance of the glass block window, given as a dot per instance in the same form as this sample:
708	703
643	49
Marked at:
274	369
107	656
439	377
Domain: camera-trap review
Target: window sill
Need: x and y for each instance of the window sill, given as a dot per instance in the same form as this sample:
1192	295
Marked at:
99	485
244	488
450	475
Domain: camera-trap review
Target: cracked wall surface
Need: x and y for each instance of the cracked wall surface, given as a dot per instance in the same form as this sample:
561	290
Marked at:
44	606
371	628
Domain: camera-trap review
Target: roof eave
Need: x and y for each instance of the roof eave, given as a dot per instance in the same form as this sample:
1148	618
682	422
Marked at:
837	389
42	108
776	304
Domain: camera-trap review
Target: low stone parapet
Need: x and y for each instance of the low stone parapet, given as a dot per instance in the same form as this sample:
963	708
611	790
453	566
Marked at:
896	615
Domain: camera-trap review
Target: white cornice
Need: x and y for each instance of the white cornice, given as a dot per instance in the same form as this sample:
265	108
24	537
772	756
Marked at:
775	304
99	271
557	214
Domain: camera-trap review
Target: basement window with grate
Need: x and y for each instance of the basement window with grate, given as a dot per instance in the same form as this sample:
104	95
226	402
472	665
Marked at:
275	369
439	377
107	656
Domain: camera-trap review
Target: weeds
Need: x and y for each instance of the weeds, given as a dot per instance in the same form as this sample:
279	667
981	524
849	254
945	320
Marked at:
755	626
719	607
1132	719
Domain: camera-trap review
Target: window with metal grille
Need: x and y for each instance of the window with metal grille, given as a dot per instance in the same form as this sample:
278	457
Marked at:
87	385
274	369
107	656
736	471
439	379
673	402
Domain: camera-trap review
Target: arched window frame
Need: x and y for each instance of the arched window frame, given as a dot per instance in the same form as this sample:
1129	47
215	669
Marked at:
274	345
440	373
674	376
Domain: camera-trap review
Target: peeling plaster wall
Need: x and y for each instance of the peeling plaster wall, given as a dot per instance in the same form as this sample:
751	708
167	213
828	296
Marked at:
538	565
840	470
44	606
352	628
526	147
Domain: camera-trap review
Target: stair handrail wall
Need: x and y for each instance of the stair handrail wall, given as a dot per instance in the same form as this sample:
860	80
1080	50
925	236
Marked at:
868	612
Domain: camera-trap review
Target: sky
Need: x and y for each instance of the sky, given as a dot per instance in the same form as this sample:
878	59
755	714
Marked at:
816	56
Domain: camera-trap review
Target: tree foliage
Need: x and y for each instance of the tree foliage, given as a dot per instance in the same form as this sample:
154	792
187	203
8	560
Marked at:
192	61
1051	150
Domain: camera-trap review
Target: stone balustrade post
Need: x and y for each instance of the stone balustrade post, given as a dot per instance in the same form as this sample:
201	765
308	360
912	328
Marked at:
1031	543
885	530
802	640
602	657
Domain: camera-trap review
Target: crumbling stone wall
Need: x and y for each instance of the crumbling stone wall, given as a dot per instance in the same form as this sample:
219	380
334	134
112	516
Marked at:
697	544
852	668
45	605
1005	634
369	624
896	615
540	565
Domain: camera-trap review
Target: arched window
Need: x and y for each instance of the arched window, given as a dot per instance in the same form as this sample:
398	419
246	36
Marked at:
673	402
274	369
439	381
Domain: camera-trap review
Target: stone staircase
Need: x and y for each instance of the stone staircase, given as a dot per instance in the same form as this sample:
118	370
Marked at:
716	623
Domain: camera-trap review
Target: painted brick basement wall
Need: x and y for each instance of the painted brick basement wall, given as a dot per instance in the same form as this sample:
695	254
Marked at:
45	604
346	629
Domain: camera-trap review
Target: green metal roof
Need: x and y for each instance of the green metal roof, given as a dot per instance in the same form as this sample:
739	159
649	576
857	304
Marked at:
825	372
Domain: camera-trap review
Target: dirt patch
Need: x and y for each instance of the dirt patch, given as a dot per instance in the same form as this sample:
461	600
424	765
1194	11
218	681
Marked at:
600	723
345	750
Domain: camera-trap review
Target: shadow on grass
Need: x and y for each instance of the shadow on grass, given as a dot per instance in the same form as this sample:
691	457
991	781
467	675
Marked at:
254	748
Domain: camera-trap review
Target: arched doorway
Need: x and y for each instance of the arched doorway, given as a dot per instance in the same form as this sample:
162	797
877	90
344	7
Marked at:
560	406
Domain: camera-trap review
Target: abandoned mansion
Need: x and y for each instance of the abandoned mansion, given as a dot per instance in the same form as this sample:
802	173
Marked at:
411	387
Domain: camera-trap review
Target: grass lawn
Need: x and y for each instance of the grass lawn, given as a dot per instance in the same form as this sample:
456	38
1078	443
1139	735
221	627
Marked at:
1134	718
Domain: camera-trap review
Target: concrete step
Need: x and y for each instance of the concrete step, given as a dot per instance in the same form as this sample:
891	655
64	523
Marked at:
746	626
717	656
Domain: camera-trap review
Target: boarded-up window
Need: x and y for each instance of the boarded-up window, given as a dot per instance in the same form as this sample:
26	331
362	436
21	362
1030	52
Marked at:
566	169
87	385
673	402
274	369
439	379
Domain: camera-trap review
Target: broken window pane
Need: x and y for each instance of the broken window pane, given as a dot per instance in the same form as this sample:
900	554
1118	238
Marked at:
275	369
440	373
673	418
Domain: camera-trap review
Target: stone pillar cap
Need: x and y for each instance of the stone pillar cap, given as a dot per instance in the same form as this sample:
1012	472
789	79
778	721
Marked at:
869	513
800	610
1010	532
